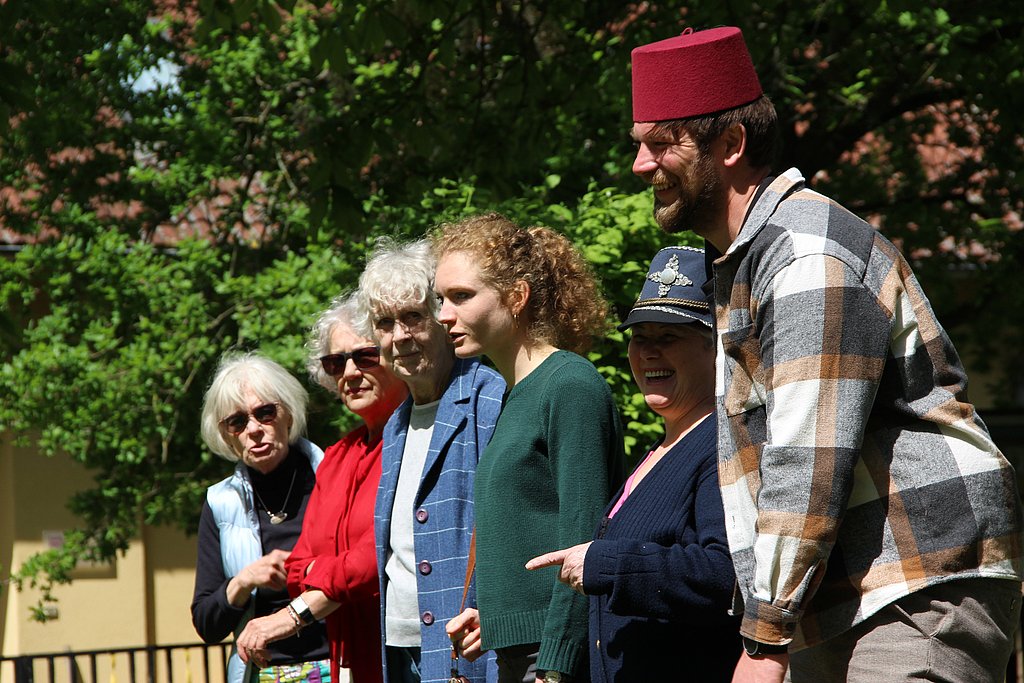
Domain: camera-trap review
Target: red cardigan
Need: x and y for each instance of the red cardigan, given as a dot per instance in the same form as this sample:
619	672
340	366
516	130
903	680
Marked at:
337	532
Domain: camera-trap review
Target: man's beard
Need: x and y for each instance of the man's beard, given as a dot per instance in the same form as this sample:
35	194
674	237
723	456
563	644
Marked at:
699	203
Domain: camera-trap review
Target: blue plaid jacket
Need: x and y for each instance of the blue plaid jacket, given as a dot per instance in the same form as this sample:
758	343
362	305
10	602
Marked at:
443	510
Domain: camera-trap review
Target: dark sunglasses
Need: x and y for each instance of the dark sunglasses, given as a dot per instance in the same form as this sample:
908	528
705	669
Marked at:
334	364
237	422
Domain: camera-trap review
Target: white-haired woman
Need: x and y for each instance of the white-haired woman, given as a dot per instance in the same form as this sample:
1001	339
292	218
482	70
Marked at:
424	513
333	568
254	414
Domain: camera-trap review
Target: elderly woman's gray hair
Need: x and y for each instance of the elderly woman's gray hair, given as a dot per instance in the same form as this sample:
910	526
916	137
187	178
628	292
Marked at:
226	395
396	276
343	310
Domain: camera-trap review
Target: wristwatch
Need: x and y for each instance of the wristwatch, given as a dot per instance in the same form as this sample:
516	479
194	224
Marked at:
554	677
755	648
302	609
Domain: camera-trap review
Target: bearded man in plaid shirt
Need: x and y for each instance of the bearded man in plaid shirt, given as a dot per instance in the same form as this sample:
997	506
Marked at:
875	527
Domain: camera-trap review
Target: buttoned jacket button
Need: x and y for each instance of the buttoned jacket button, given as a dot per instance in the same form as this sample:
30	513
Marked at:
425	567
427	617
422	515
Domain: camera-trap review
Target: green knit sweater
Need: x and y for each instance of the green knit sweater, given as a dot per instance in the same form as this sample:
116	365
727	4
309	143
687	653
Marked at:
541	484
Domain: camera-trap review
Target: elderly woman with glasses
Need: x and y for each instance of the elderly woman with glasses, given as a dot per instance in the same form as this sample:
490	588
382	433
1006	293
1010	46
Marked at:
333	568
424	517
254	414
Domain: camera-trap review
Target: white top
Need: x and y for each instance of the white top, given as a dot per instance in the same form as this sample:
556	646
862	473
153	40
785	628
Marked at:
402	619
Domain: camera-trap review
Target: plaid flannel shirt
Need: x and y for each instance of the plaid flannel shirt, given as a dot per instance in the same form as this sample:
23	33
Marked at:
854	471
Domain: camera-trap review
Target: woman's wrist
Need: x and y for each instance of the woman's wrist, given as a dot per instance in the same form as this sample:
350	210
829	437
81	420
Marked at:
280	625
296	619
237	592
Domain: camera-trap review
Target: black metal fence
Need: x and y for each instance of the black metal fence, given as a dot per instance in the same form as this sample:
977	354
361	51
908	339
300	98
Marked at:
185	663
175	664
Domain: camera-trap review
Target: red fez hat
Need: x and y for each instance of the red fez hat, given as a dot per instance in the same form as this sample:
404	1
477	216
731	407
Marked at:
693	74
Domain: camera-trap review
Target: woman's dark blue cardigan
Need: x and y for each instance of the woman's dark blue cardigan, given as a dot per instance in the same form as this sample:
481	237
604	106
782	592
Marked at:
661	577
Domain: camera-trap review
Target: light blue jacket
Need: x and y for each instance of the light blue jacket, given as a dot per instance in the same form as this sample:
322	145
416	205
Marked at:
231	503
443	510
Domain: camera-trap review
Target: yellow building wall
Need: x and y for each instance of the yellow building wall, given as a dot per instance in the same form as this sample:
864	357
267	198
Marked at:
172	563
6	535
141	598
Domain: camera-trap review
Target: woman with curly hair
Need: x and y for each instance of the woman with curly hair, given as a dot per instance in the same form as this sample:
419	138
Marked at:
526	299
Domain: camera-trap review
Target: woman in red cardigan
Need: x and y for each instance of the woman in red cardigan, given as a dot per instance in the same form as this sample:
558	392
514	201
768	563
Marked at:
333	568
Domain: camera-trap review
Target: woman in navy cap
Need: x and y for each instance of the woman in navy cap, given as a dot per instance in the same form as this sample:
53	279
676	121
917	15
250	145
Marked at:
659	571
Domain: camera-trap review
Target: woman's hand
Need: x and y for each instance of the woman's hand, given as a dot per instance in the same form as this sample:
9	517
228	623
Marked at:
464	630
266	572
258	634
571	560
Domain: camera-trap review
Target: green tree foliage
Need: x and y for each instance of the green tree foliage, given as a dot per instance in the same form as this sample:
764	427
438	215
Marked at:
169	219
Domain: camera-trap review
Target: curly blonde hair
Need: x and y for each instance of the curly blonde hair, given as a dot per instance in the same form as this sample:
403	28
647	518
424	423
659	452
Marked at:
565	308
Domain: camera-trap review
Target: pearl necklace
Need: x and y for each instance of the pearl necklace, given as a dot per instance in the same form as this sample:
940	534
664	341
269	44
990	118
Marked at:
277	517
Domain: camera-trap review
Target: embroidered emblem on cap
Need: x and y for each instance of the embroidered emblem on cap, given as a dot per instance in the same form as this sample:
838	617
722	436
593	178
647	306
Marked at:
669	277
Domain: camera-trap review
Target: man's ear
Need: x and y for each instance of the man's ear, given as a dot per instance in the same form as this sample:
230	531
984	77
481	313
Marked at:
734	144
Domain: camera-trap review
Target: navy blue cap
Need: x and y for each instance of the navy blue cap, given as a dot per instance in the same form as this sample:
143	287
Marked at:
673	291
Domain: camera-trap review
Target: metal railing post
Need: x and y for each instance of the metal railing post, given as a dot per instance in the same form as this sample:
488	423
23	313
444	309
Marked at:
23	672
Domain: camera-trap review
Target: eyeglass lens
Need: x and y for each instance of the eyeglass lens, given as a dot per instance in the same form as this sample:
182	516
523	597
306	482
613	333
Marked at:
334	364
264	414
